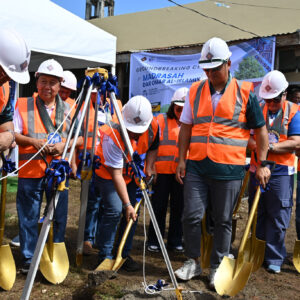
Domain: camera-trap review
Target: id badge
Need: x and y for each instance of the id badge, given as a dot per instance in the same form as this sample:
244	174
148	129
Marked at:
273	137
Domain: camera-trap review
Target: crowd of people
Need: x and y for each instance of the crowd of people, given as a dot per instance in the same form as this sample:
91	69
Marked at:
196	153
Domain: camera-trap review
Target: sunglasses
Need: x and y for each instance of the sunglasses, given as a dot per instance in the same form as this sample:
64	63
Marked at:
276	99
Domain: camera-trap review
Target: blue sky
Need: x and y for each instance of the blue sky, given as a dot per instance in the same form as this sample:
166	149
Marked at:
77	7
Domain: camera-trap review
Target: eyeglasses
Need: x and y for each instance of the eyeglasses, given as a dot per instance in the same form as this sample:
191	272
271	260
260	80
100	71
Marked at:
276	99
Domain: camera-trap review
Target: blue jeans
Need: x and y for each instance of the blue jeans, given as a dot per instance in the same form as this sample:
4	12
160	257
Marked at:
298	207
109	217
273	215
29	199
167	187
92	212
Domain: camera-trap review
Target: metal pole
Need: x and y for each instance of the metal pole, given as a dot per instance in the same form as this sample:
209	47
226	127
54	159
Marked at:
48	219
146	198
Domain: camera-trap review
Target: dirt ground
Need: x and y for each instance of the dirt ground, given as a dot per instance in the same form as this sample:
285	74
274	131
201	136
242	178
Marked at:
261	285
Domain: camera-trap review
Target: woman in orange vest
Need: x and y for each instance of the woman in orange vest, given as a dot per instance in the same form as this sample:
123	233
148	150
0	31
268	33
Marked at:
166	185
35	119
114	182
275	206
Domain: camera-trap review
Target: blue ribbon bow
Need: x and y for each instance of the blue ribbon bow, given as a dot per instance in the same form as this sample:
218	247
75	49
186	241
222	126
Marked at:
96	162
8	165
59	169
160	284
87	162
139	162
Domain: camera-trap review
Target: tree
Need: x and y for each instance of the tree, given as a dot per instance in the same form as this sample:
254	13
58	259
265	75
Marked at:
249	67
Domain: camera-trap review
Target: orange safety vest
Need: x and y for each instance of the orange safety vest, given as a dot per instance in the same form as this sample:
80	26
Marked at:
4	96
168	148
221	136
141	146
34	127
91	125
289	110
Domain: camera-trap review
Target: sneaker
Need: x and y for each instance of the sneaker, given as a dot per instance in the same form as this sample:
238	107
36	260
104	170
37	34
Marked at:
189	270
153	248
15	241
178	249
25	268
211	278
273	269
230	255
88	248
130	265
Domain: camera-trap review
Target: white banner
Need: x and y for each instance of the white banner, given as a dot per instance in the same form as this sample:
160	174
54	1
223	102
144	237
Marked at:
157	76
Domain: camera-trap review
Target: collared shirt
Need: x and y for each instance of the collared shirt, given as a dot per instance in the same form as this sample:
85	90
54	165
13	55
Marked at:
207	167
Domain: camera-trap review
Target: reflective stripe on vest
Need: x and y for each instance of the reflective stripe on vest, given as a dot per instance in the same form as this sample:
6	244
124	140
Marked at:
114	132
221	135
168	150
289	110
33	127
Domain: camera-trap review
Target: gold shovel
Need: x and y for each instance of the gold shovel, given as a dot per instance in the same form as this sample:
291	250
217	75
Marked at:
296	255
7	263
255	248
238	204
206	245
232	275
115	264
54	264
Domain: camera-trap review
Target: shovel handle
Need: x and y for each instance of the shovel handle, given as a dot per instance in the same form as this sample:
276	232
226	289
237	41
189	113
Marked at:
250	221
124	237
241	194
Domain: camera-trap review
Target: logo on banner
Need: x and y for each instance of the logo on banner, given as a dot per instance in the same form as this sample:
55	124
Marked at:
54	137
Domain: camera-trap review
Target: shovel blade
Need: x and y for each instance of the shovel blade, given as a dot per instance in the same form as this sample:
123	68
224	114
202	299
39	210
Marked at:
111	264
296	255
255	254
55	271
106	265
227	280
7	268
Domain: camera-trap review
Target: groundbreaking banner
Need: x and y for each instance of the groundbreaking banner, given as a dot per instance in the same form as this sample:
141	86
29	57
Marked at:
157	76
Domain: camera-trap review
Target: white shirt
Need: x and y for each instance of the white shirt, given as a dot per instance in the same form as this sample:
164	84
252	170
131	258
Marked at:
187	116
18	122
113	155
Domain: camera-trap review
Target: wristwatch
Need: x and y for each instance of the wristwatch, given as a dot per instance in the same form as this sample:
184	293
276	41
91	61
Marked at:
263	163
271	147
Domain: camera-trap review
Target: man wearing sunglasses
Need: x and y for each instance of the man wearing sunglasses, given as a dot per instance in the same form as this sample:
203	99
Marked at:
275	206
216	121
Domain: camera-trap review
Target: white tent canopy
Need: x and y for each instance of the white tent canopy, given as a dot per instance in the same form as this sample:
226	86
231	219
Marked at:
52	31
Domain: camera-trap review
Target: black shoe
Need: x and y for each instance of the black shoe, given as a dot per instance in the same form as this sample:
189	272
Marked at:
25	268
130	265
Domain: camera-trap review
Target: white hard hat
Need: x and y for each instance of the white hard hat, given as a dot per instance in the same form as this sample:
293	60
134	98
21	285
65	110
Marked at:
14	56
137	114
214	53
272	85
50	67
69	81
179	96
